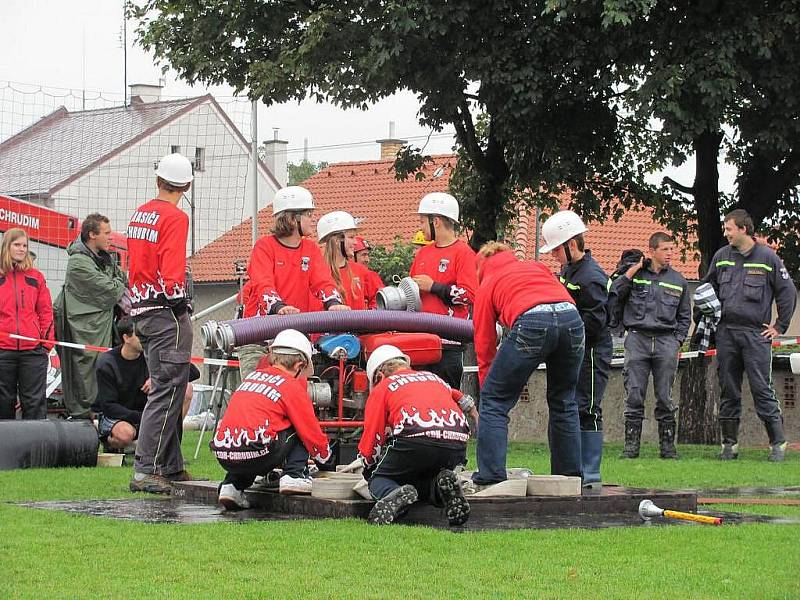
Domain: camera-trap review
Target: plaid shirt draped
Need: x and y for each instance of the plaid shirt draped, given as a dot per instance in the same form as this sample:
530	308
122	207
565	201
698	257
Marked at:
706	301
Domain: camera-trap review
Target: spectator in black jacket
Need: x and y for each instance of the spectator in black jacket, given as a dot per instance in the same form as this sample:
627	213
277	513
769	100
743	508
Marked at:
122	386
588	285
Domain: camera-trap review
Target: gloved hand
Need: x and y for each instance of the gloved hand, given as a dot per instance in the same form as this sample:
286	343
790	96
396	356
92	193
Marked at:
357	466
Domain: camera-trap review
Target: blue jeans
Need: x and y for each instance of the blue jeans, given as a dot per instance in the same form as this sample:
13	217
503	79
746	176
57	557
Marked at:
557	339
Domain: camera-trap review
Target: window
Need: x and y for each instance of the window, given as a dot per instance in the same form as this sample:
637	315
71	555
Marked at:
174	149
199	159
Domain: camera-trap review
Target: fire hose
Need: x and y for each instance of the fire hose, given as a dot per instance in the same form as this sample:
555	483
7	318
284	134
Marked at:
226	335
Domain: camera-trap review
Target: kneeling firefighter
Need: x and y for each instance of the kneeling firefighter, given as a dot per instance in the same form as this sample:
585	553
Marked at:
587	283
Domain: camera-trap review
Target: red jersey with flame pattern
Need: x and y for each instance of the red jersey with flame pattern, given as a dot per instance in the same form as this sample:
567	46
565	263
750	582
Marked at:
455	278
412	404
268	401
281	275
157	253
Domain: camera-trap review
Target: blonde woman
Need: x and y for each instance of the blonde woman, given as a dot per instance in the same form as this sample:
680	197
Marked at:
27	310
337	231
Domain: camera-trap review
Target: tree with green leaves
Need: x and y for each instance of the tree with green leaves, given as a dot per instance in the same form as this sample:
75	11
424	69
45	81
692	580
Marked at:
392	262
541	84
712	82
301	171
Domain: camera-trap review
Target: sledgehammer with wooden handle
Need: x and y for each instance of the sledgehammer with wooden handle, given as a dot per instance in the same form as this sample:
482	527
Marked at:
648	510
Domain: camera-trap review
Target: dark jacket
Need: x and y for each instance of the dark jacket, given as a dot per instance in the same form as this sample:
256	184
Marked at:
747	285
654	303
587	283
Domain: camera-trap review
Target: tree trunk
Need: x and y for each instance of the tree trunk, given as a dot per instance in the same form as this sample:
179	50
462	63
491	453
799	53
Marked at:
697	415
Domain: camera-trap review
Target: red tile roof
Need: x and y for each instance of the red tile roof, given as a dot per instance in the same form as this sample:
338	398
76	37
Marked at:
388	207
366	189
608	240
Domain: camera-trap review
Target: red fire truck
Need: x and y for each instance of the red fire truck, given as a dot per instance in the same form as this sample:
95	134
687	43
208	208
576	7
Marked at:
50	233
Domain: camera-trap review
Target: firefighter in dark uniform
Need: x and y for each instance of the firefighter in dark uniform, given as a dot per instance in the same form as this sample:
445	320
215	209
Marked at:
747	277
653	299
587	283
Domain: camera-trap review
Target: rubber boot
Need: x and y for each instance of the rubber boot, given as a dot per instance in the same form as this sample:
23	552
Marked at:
666	439
730	435
777	441
633	437
591	455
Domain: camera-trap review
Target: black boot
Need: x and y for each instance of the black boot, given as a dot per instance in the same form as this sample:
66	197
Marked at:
633	436
777	440
730	436
666	439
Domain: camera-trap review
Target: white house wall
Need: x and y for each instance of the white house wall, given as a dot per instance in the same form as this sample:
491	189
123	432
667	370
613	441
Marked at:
118	186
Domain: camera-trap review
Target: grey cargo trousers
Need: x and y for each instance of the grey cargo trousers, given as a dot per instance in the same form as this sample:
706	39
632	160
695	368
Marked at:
167	342
646	353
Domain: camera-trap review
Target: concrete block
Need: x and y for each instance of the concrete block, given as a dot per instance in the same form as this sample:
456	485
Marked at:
553	485
335	486
108	459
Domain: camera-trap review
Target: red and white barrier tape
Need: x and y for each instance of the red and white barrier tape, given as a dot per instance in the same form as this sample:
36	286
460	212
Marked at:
690	354
198	360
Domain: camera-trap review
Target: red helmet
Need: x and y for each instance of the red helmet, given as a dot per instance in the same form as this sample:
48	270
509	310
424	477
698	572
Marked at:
360	244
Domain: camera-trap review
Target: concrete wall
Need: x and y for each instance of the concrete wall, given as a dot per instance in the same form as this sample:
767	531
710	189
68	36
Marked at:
529	417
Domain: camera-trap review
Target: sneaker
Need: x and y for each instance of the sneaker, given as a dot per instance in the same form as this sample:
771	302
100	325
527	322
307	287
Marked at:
150	483
777	452
393	505
730	452
456	507
232	499
294	485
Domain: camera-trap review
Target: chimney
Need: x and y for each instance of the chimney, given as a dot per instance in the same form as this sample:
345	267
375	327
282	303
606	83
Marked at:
391	145
143	93
275	157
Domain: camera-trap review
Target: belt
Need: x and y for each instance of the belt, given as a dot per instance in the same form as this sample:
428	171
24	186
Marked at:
553	307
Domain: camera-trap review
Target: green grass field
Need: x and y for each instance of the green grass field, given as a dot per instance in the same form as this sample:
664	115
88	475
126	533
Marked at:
46	554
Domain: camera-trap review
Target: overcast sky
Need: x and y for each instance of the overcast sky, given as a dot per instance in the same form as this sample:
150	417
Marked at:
75	44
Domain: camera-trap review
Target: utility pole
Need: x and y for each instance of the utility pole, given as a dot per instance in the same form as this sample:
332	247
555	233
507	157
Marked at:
124	56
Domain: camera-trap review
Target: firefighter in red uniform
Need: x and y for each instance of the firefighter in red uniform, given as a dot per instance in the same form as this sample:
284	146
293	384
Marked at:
417	418
287	271
269	423
336	230
374	283
544	326
446	275
159	307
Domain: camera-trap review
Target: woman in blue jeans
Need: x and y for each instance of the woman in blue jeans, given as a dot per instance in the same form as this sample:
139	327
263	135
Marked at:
544	327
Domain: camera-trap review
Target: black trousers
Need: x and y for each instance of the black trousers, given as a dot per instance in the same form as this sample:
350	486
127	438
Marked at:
287	451
23	373
415	462
592	382
451	367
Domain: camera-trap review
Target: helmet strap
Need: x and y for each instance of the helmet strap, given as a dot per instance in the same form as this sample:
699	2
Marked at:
342	248
567	252
433	231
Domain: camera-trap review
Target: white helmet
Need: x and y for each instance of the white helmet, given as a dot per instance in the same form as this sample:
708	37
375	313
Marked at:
293	197
561	227
175	168
334	222
439	203
379	356
291	341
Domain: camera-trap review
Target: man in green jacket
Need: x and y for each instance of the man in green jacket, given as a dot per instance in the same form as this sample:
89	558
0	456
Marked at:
84	311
